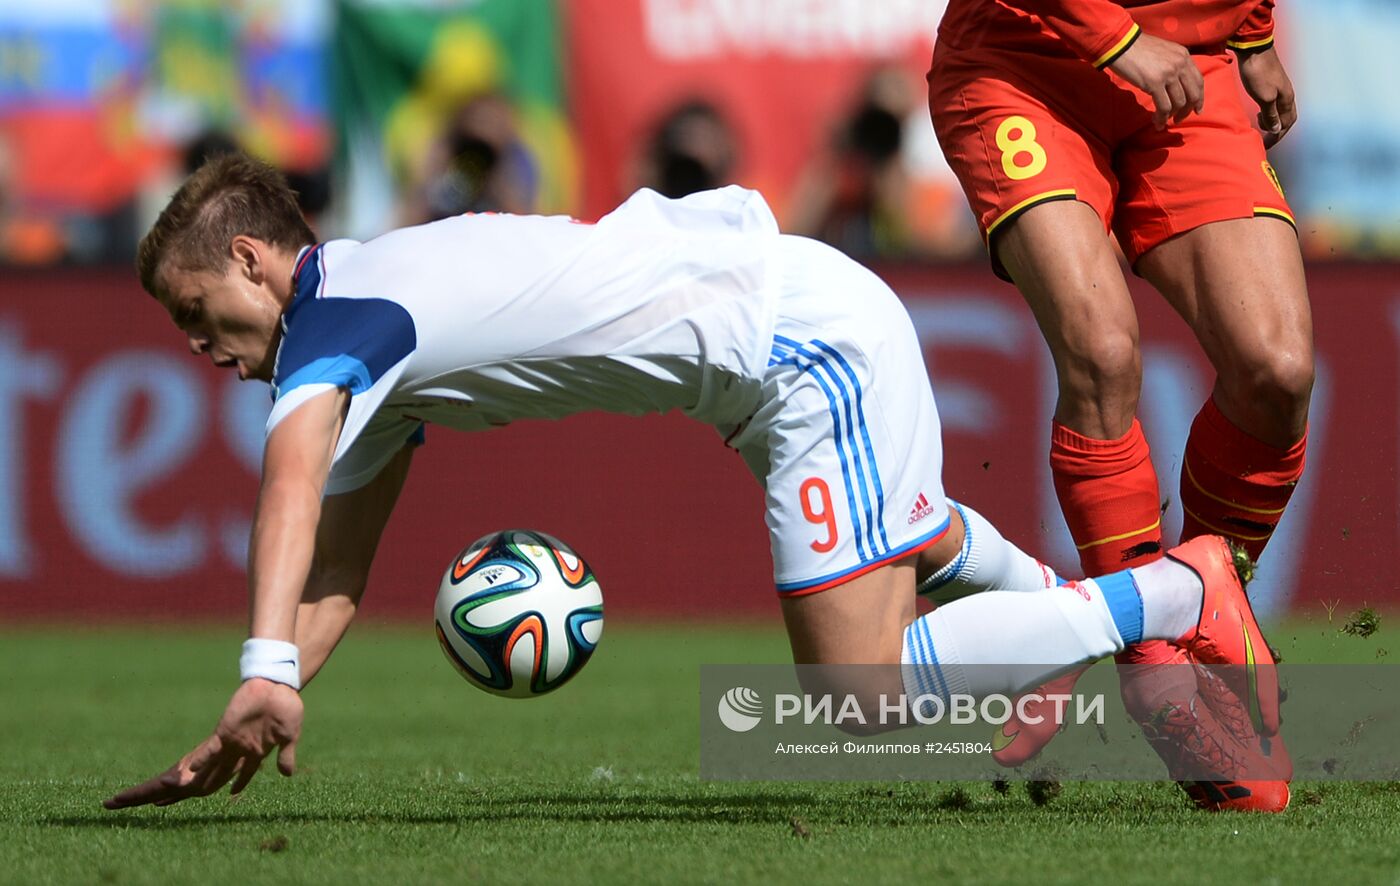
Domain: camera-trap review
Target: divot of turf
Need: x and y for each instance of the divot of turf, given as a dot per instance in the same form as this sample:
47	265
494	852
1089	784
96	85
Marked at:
1244	564
1044	786
1363	623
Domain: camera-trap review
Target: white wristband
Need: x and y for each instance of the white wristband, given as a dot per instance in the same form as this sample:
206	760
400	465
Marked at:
275	660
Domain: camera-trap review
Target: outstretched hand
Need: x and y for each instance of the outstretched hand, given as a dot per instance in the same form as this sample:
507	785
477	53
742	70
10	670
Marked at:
1267	83
260	717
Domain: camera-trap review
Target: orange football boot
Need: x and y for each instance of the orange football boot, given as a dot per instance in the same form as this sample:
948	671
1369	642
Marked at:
1239	796
1017	741
1217	768
1228	633
1261	765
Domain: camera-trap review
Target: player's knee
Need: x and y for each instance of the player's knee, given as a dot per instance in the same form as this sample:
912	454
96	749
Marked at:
1101	368
1279	385
1290	380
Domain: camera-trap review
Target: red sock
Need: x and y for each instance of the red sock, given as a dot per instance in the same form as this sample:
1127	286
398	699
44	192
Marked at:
1233	484
1108	493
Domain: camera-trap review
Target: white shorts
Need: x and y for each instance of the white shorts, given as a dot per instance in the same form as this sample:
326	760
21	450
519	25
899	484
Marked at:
846	440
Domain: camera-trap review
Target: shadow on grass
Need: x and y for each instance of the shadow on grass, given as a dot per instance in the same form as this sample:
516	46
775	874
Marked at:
155	820
899	806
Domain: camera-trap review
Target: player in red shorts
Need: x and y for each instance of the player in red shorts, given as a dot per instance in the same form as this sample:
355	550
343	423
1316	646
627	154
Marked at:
1067	120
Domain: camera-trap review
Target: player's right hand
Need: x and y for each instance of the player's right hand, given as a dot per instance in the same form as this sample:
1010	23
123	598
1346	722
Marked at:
260	717
1267	83
1165	71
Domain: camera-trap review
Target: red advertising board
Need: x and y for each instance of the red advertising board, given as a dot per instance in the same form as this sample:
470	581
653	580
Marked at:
128	467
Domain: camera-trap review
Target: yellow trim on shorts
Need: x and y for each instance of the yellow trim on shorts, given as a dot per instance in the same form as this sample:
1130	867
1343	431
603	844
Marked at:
1103	541
1061	194
1119	48
1247	45
1277	213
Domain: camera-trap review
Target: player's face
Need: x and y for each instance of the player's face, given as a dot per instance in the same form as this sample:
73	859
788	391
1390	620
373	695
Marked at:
232	317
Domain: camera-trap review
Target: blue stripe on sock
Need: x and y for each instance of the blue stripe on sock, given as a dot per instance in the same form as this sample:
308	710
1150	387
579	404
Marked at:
945	575
919	656
942	685
911	639
1124	601
949	572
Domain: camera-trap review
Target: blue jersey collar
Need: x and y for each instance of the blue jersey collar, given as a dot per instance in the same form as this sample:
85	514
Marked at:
306	278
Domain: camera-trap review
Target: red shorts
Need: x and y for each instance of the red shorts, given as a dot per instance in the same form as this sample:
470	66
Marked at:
1021	129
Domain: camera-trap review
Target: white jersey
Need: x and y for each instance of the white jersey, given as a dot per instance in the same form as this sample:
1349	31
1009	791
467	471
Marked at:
479	320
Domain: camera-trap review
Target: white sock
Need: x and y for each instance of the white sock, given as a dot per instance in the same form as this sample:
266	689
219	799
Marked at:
987	562
1172	596
1005	642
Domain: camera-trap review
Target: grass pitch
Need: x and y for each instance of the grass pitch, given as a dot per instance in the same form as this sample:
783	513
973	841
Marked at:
409	775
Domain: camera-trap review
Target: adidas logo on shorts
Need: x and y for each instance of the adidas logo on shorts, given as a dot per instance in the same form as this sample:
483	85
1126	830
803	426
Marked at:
920	510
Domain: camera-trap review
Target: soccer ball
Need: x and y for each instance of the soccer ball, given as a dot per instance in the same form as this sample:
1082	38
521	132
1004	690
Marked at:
518	613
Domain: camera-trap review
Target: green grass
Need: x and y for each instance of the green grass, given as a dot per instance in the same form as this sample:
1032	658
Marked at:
408	775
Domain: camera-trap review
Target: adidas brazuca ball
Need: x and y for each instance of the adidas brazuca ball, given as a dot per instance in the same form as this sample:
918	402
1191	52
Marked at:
519	613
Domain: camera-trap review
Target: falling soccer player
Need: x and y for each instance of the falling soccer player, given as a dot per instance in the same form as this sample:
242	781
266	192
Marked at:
805	361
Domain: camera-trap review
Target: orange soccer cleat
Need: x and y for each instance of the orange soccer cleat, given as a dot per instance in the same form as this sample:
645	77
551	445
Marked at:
1212	750
1261	765
1228	633
1017	741
1239	796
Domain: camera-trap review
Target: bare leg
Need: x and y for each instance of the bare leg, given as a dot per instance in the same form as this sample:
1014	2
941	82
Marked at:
1239	285
859	622
1068	273
1070	276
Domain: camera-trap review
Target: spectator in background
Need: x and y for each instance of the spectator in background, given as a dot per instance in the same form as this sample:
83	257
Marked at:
312	186
477	164
313	190
38	232
850	195
206	146
23	240
692	149
872	192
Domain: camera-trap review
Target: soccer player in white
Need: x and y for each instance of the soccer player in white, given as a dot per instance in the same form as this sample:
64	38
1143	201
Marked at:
805	362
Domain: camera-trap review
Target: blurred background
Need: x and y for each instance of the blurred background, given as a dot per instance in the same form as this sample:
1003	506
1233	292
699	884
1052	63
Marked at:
127	469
